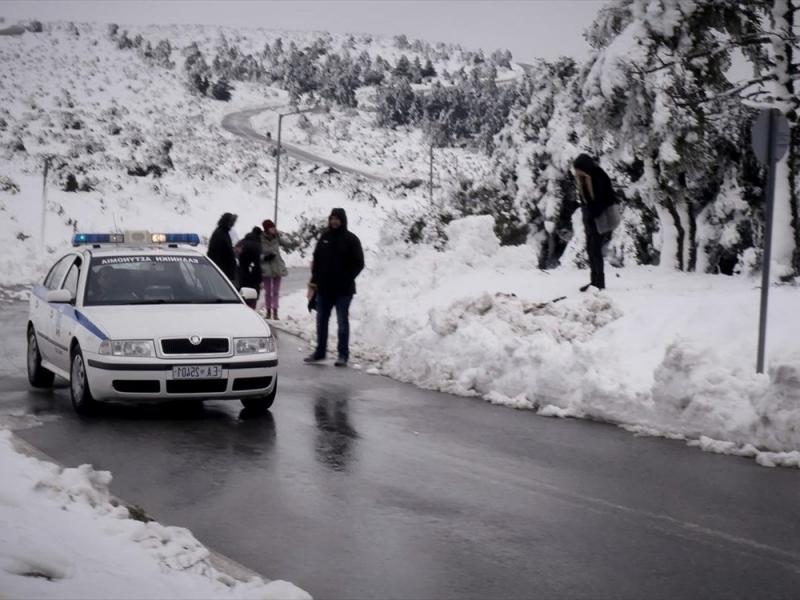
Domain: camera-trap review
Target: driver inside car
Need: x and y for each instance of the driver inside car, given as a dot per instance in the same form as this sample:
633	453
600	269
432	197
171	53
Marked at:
109	284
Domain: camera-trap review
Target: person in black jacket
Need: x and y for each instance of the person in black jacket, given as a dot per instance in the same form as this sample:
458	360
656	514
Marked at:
597	194
338	259
220	247
250	262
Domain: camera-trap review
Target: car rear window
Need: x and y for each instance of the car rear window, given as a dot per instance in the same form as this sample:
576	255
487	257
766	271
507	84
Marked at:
156	279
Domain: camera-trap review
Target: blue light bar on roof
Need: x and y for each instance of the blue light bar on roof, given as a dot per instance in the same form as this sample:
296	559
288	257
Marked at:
177	238
80	239
135	237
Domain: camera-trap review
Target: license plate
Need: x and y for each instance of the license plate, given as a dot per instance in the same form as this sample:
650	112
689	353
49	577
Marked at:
197	372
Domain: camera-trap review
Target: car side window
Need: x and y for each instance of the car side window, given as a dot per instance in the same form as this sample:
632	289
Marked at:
56	274
71	281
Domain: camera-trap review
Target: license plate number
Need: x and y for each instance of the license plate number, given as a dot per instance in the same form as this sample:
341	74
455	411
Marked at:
197	372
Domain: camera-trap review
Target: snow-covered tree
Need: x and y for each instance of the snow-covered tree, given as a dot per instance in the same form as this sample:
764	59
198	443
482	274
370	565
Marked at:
658	101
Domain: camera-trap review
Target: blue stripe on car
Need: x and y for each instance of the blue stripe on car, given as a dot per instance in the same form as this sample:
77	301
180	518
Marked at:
68	310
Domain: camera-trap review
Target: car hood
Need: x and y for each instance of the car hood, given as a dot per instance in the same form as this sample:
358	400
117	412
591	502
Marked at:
176	320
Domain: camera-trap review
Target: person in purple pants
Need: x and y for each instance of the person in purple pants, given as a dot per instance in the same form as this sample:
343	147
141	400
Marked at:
272	268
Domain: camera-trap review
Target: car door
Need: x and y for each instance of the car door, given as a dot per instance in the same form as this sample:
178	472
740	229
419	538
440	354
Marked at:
64	320
43	314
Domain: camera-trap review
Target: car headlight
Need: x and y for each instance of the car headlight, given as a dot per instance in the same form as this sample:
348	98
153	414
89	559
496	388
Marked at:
254	345
141	348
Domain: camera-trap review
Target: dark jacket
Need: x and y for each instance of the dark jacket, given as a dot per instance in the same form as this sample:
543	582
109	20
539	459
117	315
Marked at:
338	259
220	248
601	186
250	260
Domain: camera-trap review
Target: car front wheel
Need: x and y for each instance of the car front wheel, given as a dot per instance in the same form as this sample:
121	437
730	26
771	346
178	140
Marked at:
38	376
261	404
82	400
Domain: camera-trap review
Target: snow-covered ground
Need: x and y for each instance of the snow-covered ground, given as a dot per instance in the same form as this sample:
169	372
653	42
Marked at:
62	535
659	352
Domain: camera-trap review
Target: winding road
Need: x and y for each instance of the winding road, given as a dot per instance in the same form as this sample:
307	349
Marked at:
239	123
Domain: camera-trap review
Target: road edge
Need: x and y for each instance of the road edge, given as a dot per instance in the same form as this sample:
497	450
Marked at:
219	561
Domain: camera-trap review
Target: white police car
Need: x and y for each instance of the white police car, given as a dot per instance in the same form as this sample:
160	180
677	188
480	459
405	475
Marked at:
145	316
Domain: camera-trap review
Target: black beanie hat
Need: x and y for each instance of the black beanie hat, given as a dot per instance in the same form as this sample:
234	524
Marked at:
584	162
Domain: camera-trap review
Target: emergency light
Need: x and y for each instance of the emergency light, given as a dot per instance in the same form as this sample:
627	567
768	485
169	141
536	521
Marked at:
135	237
97	238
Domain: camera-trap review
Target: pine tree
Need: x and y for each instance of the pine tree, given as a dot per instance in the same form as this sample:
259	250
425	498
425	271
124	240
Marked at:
428	72
221	90
402	70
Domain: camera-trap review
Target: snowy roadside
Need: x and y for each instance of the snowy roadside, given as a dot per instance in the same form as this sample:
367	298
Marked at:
62	535
660	352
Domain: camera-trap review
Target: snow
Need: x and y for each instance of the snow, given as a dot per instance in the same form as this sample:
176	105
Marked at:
62	535
782	230
658	353
668	351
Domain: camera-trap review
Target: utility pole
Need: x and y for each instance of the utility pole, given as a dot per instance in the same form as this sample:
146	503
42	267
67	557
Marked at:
430	179
47	160
278	154
277	170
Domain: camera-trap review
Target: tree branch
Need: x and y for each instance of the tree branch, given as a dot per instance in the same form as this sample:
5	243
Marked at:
760	39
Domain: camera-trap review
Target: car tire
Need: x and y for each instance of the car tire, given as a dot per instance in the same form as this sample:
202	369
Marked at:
38	376
82	400
261	404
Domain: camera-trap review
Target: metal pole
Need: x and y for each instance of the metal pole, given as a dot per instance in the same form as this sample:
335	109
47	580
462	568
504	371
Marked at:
430	179
44	202
767	258
277	170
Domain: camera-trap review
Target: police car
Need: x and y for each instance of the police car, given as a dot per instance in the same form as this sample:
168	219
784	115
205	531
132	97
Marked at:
146	316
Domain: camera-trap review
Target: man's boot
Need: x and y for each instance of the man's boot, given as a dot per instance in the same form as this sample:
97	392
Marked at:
275	314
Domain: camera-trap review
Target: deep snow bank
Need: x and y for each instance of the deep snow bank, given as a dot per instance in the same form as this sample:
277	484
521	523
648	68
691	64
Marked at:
61	537
665	352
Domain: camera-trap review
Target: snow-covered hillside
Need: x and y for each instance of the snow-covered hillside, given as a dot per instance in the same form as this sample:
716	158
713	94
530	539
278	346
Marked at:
138	150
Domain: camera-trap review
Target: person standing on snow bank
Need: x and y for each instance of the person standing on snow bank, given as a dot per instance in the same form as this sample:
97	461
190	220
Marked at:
250	262
272	267
596	195
220	246
338	259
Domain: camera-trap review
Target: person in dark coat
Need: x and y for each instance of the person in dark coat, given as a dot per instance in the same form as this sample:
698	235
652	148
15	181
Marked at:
597	194
220	247
250	262
338	259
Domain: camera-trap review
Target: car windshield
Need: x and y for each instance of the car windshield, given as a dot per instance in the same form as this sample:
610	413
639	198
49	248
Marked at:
156	279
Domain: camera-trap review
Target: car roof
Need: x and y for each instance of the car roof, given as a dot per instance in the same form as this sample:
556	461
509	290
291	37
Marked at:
155	250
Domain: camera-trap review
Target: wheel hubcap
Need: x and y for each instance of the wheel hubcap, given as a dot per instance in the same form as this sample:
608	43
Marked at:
33	351
78	376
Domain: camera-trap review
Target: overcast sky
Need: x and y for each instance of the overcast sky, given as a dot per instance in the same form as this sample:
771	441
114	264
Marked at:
529	28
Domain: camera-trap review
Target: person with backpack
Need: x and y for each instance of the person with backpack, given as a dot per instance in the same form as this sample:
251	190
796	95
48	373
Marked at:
599	214
338	259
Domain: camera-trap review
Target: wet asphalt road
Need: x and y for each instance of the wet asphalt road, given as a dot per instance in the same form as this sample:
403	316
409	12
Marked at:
360	487
238	123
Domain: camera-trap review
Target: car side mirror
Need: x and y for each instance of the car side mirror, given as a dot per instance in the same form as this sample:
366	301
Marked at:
248	293
61	296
